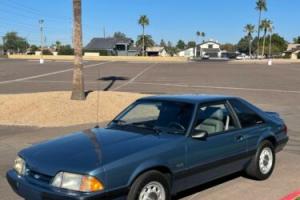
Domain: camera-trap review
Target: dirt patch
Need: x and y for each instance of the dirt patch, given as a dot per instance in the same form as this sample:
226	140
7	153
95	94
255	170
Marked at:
54	109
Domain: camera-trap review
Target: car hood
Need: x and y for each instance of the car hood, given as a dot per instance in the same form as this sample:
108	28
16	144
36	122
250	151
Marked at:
85	151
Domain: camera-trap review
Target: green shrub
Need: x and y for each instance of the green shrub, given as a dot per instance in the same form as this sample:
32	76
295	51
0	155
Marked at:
65	50
47	52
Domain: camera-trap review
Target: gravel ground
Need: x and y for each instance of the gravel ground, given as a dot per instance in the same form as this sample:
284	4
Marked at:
55	109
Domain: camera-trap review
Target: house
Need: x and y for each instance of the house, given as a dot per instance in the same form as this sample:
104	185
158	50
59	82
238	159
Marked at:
209	48
188	53
156	51
112	46
293	50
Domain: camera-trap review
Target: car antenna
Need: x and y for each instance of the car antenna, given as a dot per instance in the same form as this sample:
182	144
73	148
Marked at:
98	97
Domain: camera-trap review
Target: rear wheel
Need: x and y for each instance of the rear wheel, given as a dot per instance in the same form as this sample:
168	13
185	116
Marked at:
262	164
151	185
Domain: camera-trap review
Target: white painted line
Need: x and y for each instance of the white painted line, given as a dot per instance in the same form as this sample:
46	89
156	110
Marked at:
136	77
49	74
217	87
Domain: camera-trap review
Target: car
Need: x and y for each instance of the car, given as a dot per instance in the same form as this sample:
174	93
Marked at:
154	149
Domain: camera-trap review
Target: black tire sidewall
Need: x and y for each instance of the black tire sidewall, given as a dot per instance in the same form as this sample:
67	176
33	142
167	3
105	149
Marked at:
262	146
146	178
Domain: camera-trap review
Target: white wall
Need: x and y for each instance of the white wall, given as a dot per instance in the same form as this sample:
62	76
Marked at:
187	53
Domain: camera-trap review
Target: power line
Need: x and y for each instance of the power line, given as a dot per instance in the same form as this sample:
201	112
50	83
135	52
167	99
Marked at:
26	9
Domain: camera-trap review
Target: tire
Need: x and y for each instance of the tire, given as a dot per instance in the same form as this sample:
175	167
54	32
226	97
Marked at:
262	164
151	179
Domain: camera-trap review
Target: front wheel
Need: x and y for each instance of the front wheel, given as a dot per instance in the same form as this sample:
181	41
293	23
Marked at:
262	164
151	185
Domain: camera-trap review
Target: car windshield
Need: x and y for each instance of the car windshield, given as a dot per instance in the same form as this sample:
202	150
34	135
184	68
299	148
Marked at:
171	117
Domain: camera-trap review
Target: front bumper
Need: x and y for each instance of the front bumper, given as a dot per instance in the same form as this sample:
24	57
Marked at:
32	191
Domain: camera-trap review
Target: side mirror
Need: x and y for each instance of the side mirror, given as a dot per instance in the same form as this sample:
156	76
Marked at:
199	134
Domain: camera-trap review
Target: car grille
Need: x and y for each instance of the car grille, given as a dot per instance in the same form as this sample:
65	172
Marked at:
38	176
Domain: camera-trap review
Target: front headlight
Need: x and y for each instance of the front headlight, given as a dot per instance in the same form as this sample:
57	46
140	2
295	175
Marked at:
77	182
20	166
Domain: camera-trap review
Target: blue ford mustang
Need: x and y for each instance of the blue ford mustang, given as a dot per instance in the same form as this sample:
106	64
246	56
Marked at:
154	149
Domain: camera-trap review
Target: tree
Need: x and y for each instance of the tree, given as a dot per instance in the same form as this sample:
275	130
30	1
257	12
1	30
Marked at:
243	45
65	50
170	49
78	81
119	35
145	41
162	43
143	21
57	45
264	26
279	44
191	44
180	45
14	43
200	34
34	48
229	47
270	30
296	40
261	6
249	29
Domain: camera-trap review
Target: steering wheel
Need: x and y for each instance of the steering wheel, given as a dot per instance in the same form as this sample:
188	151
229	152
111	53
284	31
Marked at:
176	125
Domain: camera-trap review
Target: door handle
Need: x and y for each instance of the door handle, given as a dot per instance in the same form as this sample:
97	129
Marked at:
240	138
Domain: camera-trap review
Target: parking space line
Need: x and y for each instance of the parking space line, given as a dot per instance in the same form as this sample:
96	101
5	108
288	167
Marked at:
217	87
136	77
50	74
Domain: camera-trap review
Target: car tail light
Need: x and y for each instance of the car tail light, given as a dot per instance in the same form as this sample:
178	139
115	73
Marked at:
285	129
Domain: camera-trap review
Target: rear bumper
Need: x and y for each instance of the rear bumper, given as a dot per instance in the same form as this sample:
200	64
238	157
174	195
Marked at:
281	144
32	191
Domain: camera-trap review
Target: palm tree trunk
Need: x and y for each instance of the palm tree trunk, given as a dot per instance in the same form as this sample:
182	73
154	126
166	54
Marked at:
264	43
250	47
143	40
258	34
78	82
270	46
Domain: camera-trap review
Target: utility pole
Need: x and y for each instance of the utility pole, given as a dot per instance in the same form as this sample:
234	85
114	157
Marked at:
41	22
104	32
3	44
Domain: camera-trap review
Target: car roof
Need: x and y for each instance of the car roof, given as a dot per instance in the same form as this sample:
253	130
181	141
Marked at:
189	98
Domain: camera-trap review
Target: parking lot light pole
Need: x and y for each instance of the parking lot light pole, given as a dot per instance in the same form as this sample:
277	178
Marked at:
41	22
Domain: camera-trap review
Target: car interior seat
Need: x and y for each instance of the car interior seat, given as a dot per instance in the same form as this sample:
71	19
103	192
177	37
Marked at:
213	120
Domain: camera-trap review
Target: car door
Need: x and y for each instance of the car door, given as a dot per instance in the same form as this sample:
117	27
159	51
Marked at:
221	151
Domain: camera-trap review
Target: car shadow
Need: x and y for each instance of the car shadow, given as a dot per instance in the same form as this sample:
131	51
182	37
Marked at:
208	185
112	80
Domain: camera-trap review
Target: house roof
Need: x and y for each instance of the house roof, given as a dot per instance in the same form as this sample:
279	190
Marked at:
155	49
293	48
205	42
106	43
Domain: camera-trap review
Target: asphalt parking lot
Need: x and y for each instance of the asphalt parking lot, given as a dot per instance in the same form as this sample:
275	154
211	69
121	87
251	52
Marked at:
275	88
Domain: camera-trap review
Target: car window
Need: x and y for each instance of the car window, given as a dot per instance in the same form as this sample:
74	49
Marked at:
142	112
214	119
246	115
163	115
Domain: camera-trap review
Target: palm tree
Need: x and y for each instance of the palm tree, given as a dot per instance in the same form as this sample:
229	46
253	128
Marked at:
249	29
270	30
261	5
264	26
78	82
144	21
200	34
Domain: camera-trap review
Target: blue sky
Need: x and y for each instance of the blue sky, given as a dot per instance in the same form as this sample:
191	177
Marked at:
222	20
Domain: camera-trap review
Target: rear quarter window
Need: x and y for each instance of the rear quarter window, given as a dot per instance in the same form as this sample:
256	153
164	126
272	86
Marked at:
246	115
